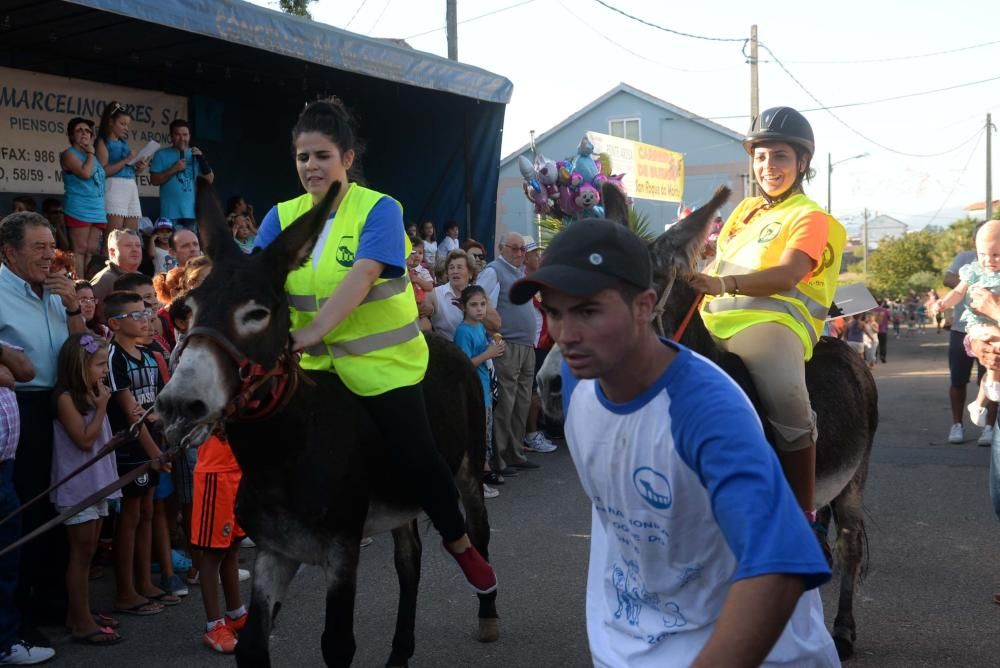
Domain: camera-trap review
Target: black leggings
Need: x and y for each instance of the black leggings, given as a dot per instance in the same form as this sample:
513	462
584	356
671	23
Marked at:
411	445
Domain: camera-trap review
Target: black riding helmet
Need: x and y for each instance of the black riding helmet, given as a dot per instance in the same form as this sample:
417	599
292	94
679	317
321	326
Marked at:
781	124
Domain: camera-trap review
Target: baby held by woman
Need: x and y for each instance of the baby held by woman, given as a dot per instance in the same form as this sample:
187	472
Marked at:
984	272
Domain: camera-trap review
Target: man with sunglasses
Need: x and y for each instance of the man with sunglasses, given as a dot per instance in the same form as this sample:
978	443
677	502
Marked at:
175	169
516	368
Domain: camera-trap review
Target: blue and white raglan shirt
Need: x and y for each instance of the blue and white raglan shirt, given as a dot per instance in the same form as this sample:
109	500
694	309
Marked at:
688	497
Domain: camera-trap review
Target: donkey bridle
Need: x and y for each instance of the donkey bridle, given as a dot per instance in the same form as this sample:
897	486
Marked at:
244	406
661	306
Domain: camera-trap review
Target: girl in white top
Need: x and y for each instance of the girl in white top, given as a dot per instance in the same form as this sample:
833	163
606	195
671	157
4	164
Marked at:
429	236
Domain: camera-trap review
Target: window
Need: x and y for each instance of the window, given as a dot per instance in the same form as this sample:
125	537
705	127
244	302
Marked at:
628	128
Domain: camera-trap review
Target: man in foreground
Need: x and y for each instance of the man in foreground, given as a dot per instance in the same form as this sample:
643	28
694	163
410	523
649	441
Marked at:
699	553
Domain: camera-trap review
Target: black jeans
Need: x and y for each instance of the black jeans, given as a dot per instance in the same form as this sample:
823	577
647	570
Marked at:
41	587
9	532
883	343
401	416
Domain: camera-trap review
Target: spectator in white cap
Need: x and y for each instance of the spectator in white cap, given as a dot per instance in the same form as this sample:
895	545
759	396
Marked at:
159	246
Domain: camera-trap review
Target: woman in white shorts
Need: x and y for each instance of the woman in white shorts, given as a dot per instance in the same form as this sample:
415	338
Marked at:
121	195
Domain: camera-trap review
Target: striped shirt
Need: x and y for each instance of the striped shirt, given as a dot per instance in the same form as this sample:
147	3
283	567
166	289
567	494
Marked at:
10	419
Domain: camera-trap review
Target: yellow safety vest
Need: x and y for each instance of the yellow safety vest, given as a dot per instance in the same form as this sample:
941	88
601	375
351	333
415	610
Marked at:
378	347
759	245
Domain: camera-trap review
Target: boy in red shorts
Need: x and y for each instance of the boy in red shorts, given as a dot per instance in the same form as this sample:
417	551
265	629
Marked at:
214	530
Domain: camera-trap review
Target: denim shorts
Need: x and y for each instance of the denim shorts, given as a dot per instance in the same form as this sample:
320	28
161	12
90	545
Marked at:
88	514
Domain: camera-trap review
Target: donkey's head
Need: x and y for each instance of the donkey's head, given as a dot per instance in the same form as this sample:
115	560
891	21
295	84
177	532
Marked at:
242	302
675	255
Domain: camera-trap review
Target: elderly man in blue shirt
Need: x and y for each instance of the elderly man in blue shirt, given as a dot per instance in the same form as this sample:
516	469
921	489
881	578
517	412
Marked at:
38	311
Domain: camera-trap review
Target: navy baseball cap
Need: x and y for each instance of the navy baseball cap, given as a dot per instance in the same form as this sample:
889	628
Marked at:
588	256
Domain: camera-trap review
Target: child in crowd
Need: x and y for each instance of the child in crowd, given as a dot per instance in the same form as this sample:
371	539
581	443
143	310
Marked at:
142	285
165	502
984	272
88	308
420	278
135	382
159	246
243	232
81	429
471	337
217	534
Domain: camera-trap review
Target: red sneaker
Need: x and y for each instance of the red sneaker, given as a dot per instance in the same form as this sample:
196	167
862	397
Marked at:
477	571
222	639
237	624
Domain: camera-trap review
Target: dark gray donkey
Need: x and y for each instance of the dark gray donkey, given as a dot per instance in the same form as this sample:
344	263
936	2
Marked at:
841	388
239	319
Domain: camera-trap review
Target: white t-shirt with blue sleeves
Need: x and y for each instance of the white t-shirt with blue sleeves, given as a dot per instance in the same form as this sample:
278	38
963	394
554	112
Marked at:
688	497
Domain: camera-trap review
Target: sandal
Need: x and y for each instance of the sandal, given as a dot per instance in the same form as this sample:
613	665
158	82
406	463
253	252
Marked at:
143	609
165	598
110	637
105	620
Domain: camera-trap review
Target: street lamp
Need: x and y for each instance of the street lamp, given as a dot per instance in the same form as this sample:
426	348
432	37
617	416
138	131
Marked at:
829	173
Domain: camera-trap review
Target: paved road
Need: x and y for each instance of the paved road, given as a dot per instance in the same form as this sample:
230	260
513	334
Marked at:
926	601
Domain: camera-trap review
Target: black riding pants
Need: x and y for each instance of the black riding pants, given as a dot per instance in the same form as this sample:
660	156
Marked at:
401	416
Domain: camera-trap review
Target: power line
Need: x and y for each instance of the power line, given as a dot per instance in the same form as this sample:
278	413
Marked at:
382	13
955	184
823	107
893	58
628	50
878	100
670	30
355	15
469	20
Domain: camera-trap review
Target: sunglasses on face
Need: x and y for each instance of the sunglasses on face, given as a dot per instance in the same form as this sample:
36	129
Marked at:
138	316
477	256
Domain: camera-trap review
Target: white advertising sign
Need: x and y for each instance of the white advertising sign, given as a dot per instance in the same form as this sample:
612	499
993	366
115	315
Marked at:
34	110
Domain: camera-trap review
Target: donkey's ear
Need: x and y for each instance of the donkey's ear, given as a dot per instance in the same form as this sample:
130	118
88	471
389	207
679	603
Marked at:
295	243
683	243
615	204
212	222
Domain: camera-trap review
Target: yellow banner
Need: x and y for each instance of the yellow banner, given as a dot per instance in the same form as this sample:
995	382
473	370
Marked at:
651	172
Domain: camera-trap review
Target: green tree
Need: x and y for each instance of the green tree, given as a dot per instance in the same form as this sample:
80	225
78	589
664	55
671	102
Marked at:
952	241
895	261
296	7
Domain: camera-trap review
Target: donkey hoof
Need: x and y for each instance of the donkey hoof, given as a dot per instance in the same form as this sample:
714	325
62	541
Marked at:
845	648
489	629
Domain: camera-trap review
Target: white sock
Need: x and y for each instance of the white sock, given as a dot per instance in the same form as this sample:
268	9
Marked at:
212	624
237	613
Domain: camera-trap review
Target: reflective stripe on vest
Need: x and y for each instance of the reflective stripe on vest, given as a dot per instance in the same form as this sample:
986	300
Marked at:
390	288
815	309
378	346
720	304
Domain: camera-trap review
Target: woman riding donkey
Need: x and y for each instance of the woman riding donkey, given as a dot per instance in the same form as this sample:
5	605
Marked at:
354	314
772	284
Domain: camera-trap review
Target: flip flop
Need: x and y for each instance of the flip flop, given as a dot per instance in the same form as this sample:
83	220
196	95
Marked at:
105	620
166	598
142	609
110	637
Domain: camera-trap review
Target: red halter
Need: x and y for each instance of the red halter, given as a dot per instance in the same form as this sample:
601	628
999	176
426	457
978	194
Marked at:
244	407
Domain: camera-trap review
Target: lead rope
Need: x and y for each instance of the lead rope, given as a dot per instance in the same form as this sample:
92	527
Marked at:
109	447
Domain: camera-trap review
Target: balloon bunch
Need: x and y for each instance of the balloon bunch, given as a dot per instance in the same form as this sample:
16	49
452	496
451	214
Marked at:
571	188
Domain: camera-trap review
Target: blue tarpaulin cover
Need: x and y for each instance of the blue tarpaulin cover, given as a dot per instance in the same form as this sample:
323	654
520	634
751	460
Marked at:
243	23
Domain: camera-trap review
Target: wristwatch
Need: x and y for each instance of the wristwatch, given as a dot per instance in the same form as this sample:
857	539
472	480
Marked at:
78	311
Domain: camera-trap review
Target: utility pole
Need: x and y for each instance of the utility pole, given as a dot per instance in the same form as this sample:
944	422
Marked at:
754	100
989	168
864	242
451	19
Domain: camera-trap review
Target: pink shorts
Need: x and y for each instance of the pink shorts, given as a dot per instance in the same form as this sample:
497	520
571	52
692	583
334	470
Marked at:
76	223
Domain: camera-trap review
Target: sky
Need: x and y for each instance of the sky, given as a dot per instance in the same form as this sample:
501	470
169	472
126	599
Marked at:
563	54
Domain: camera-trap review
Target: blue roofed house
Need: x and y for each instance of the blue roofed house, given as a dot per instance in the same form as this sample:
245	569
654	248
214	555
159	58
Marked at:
713	154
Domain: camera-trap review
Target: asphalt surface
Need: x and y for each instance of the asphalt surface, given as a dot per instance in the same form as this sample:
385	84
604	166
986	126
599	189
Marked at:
926	599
